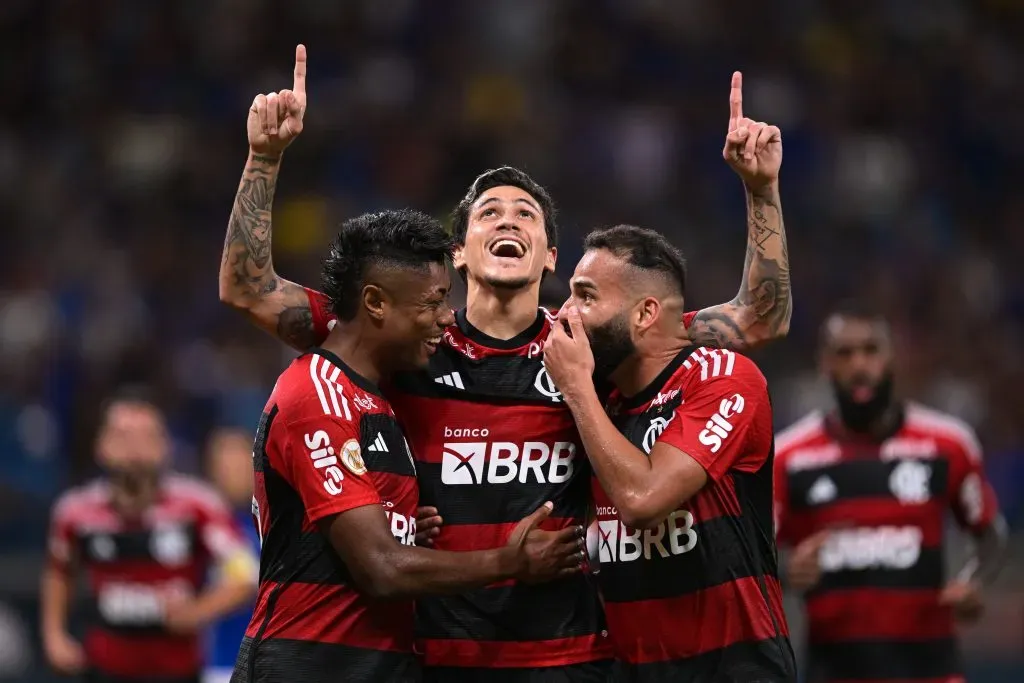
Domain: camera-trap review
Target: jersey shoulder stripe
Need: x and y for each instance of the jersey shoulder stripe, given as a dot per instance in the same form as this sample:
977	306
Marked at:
944	425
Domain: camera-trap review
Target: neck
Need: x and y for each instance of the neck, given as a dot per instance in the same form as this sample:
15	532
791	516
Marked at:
501	313
638	371
351	343
133	503
880	427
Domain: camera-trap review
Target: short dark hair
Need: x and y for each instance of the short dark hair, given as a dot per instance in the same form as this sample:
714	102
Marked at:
643	249
498	177
397	238
852	309
130	394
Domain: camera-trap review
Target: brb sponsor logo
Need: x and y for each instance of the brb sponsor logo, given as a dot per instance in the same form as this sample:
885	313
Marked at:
674	536
138	604
887	547
402	528
718	428
502	462
324	458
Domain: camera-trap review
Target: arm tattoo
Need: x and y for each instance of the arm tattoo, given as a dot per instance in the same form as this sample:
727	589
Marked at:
766	287
295	327
716	328
247	246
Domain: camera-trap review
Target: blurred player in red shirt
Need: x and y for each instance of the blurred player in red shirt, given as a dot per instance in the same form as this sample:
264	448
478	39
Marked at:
335	491
862	495
146	541
683	458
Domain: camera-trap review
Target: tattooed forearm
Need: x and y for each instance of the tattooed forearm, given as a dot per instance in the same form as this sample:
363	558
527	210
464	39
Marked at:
761	310
765	290
246	267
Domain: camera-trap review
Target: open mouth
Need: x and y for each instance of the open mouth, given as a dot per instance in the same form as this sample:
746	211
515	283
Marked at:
432	343
506	247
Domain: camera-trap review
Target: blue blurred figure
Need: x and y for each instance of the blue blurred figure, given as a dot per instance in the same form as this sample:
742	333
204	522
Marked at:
229	457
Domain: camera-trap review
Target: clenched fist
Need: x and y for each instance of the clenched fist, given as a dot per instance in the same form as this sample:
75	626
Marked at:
275	119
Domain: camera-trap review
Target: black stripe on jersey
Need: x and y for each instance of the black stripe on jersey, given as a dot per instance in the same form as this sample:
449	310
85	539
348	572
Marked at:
748	661
494	379
719	556
289	553
96	676
927	572
260	459
397	459
487	503
884	660
99	548
274	660
867	478
564	608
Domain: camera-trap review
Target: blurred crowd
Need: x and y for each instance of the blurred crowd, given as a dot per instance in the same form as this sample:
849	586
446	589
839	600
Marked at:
124	136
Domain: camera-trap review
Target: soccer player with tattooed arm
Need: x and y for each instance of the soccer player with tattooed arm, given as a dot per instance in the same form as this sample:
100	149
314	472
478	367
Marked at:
490	435
682	453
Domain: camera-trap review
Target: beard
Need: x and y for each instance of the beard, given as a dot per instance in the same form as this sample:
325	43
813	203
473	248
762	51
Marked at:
611	344
859	416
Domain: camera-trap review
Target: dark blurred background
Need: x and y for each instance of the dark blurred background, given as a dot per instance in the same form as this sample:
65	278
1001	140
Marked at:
123	137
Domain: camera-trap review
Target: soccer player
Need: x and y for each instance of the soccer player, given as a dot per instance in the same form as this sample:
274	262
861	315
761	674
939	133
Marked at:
335	485
145	540
489	430
861	497
683	457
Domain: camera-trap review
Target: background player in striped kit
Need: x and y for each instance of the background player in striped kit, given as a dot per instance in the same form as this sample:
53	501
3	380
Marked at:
146	540
862	494
488	428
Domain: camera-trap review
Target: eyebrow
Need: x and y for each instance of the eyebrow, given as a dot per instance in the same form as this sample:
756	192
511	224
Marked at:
516	200
584	283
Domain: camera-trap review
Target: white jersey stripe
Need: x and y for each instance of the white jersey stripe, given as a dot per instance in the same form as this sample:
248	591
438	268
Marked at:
316	383
332	388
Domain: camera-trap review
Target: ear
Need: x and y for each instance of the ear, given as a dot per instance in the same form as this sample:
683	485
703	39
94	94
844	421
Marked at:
550	259
459	257
646	313
374	301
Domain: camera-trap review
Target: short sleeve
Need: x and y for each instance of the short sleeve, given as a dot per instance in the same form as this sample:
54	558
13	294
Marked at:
724	421
224	540
971	496
324	464
60	538
323	318
688	318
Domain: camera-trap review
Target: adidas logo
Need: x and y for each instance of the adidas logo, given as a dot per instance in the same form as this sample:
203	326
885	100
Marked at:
378	445
452	380
823	490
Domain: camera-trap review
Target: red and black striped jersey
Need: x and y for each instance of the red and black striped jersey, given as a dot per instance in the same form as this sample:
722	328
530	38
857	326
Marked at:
698	598
493	441
327	442
875	614
134	567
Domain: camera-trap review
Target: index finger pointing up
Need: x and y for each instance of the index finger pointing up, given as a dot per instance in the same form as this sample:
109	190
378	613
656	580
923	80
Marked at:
735	100
299	85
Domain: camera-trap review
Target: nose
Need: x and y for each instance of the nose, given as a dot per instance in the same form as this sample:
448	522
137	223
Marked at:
447	317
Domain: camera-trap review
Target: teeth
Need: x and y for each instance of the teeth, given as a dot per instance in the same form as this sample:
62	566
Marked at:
512	243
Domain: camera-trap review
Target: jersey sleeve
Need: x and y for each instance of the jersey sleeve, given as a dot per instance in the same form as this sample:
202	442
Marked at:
60	537
688	318
724	421
971	496
323	463
323	318
225	541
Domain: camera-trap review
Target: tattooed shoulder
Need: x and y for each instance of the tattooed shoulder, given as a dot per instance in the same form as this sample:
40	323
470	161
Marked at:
716	328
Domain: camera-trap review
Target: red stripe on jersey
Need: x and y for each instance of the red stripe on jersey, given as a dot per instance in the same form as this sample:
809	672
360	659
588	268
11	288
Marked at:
465	537
142	656
857	614
871	512
664	630
333	614
500	654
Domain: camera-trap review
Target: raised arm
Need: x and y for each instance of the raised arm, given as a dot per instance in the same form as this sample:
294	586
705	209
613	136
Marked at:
762	308
248	281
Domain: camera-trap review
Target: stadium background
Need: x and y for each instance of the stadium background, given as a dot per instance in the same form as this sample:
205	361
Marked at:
123	138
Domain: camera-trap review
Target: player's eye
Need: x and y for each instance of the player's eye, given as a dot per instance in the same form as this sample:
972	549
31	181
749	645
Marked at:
526	214
487	213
